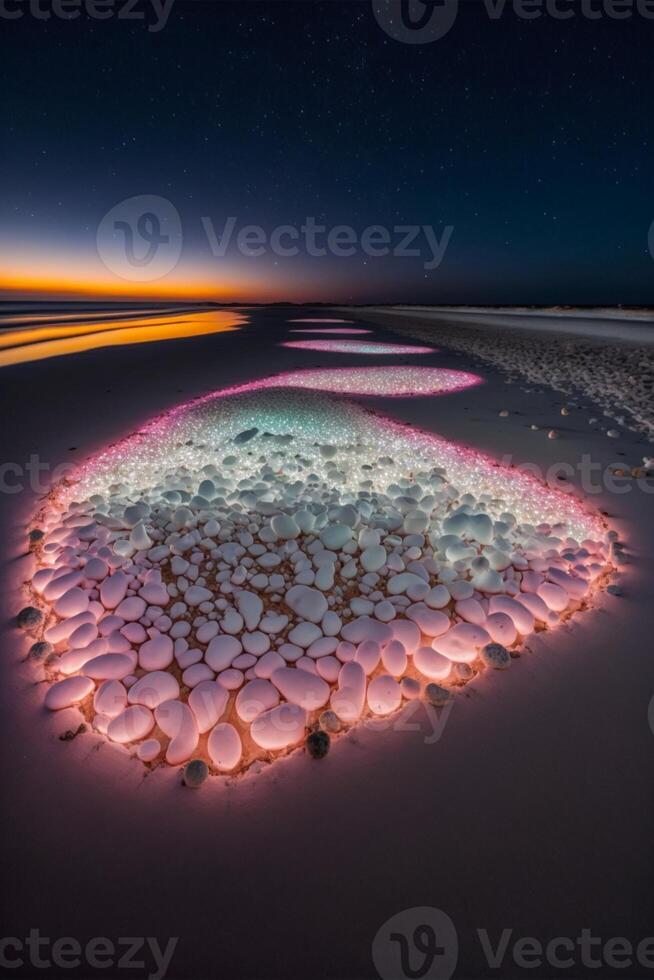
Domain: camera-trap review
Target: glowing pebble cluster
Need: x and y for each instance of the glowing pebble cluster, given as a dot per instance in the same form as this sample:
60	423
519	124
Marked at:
357	347
248	561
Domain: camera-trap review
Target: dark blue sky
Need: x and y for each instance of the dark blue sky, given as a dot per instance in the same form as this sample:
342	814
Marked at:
531	139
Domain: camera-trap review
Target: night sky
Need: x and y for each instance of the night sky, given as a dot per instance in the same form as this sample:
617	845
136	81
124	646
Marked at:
533	139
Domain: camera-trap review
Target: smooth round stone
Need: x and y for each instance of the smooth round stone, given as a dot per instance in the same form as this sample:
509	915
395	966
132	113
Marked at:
471	610
177	721
330	722
222	650
225	747
306	602
462	643
460	590
346	651
208	701
336	536
437	695
134	633
206	632
256	643
197	673
301	688
131	609
385	611
95	569
117	643
250	607
113	590
149	750
394	658
244	661
373	558
501	628
365	628
197	594
322	647
131	725
554	597
68	692
432	664
306	663
30	617
156	654
195	773
291	652
318	744
522	618
496	656
82	636
331	624
539	610
256	697
110	666
231	679
368	654
384	695
410	688
397	584
110	698
71	603
155	594
430	621
62	630
488	581
284	527
438	597
348	701
266	664
304	634
40	650
329	668
407	633
280	728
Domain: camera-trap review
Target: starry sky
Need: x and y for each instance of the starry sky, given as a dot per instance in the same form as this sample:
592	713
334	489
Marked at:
531	141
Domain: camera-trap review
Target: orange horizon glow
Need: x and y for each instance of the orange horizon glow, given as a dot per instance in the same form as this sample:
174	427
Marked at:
36	272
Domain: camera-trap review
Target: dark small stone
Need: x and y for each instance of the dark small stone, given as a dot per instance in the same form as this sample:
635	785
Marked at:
72	733
29	617
195	773
318	744
36	535
40	650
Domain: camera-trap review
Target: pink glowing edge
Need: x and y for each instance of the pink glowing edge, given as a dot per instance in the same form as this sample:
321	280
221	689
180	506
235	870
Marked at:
331	330
357	347
422	440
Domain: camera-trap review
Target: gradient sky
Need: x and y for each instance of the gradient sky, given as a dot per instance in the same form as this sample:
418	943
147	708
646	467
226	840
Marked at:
533	139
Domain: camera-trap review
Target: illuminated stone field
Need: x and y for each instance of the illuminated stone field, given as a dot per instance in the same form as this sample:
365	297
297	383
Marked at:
357	347
265	562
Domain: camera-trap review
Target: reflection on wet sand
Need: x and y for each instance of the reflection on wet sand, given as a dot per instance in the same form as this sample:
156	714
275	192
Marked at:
57	337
